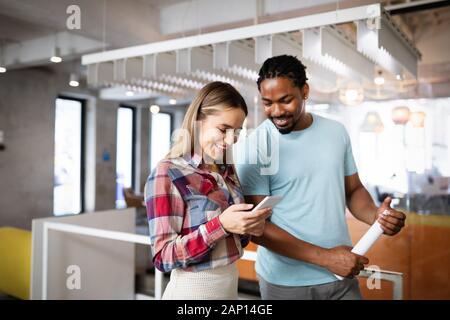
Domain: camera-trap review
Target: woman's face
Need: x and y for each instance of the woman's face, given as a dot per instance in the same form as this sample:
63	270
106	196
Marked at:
218	132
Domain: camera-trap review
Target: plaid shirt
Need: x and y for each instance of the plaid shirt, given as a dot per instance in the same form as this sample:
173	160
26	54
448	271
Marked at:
183	204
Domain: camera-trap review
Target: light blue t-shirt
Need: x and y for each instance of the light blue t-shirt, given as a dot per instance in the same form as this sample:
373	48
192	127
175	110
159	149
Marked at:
309	173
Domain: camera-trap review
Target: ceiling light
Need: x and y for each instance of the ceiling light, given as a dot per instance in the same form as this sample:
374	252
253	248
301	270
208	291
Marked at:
2	57
417	119
129	93
352	94
379	79
372	123
56	58
400	115
172	101
154	108
74	81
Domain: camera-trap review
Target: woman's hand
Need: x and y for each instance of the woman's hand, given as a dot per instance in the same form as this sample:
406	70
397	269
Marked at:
235	219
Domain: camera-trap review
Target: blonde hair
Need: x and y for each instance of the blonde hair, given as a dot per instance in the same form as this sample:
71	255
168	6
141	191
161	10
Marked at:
211	99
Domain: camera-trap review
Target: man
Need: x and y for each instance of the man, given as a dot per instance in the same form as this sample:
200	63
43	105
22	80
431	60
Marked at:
306	242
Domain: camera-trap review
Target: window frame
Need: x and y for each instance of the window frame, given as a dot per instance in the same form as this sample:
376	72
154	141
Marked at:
172	121
82	152
133	142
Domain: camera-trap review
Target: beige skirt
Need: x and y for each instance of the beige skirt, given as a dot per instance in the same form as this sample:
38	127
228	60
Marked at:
214	284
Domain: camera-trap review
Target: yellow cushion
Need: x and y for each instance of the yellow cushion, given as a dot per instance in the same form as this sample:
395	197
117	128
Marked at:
15	262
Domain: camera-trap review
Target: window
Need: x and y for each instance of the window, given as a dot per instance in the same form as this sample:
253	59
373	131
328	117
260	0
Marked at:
68	170
160	136
125	152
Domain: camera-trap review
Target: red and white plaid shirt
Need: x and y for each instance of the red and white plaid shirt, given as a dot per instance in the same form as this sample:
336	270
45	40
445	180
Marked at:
184	202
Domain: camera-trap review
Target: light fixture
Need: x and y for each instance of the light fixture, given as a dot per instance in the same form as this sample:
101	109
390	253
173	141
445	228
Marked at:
379	79
351	94
398	77
56	57
417	119
2	64
372	123
172	101
400	115
129	93
154	108
74	81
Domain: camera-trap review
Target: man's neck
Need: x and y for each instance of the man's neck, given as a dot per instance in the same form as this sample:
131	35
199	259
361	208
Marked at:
304	122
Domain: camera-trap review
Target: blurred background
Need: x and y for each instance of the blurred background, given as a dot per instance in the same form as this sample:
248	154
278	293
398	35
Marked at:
82	124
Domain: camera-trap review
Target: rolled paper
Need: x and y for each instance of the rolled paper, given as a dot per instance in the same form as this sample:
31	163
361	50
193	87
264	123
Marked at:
368	239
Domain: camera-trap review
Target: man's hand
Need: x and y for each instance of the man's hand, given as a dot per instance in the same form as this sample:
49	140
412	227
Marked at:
341	261
391	220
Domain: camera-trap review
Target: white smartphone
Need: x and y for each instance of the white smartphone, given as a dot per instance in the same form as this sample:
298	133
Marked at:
268	202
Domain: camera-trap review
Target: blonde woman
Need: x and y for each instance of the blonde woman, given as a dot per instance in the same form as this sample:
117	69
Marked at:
198	221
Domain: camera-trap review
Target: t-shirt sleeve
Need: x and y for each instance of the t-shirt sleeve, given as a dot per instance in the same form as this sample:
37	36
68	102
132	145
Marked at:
349	162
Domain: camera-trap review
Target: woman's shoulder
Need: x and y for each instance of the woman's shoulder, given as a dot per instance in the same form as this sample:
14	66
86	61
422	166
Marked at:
166	167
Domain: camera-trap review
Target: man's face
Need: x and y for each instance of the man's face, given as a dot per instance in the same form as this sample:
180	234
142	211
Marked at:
283	102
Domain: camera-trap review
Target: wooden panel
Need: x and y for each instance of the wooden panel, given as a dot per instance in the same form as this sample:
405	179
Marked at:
421	251
430	262
247	268
388	253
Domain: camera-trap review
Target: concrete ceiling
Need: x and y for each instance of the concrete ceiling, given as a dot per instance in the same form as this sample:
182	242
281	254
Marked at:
117	23
120	23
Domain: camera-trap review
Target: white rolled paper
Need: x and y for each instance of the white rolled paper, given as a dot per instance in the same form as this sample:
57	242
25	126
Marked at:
367	240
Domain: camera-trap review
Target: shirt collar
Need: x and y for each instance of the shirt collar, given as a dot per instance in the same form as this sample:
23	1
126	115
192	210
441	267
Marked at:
195	160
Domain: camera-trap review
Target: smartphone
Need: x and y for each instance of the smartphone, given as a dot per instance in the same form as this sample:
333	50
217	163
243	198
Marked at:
268	202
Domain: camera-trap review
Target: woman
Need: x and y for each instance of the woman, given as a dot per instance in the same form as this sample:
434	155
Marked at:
197	217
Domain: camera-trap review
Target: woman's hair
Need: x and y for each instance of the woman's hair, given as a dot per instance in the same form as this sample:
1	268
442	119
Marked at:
212	98
283	66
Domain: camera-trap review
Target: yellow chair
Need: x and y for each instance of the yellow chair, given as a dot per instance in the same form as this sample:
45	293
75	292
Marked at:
15	262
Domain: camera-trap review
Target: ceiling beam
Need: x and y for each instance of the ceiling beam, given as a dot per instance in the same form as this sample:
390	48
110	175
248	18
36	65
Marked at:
288	25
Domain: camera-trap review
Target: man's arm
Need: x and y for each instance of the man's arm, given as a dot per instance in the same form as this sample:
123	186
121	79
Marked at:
362	207
359	201
338	260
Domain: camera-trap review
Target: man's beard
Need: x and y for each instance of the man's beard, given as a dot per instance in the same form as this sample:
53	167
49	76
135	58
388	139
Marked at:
292	126
284	130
